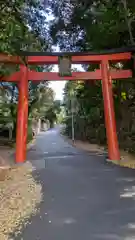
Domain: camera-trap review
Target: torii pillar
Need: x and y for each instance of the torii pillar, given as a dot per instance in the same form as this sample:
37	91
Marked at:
110	122
22	116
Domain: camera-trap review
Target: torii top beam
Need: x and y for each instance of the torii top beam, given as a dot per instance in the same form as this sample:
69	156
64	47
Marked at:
41	58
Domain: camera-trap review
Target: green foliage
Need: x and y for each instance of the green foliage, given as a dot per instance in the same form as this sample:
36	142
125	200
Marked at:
29	132
87	110
52	112
40	100
23	25
23	28
95	25
20	22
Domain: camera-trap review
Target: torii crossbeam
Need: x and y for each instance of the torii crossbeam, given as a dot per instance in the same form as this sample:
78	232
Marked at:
104	73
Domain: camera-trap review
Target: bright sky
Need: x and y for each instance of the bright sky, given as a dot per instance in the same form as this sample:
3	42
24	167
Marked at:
58	89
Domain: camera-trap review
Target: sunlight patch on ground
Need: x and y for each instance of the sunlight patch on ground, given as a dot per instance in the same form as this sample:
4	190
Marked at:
128	193
125	179
131	225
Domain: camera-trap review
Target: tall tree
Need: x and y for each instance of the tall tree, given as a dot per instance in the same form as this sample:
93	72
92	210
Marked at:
24	28
98	25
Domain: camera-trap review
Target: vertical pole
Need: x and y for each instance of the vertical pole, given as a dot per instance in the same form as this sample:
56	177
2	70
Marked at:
22	116
72	112
113	148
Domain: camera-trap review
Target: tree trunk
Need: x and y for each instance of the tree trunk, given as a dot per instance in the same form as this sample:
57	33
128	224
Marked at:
128	22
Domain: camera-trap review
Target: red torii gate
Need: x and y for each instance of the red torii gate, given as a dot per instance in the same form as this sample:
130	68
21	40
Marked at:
104	74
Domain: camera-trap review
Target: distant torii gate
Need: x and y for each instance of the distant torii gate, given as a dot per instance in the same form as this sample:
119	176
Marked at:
103	73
